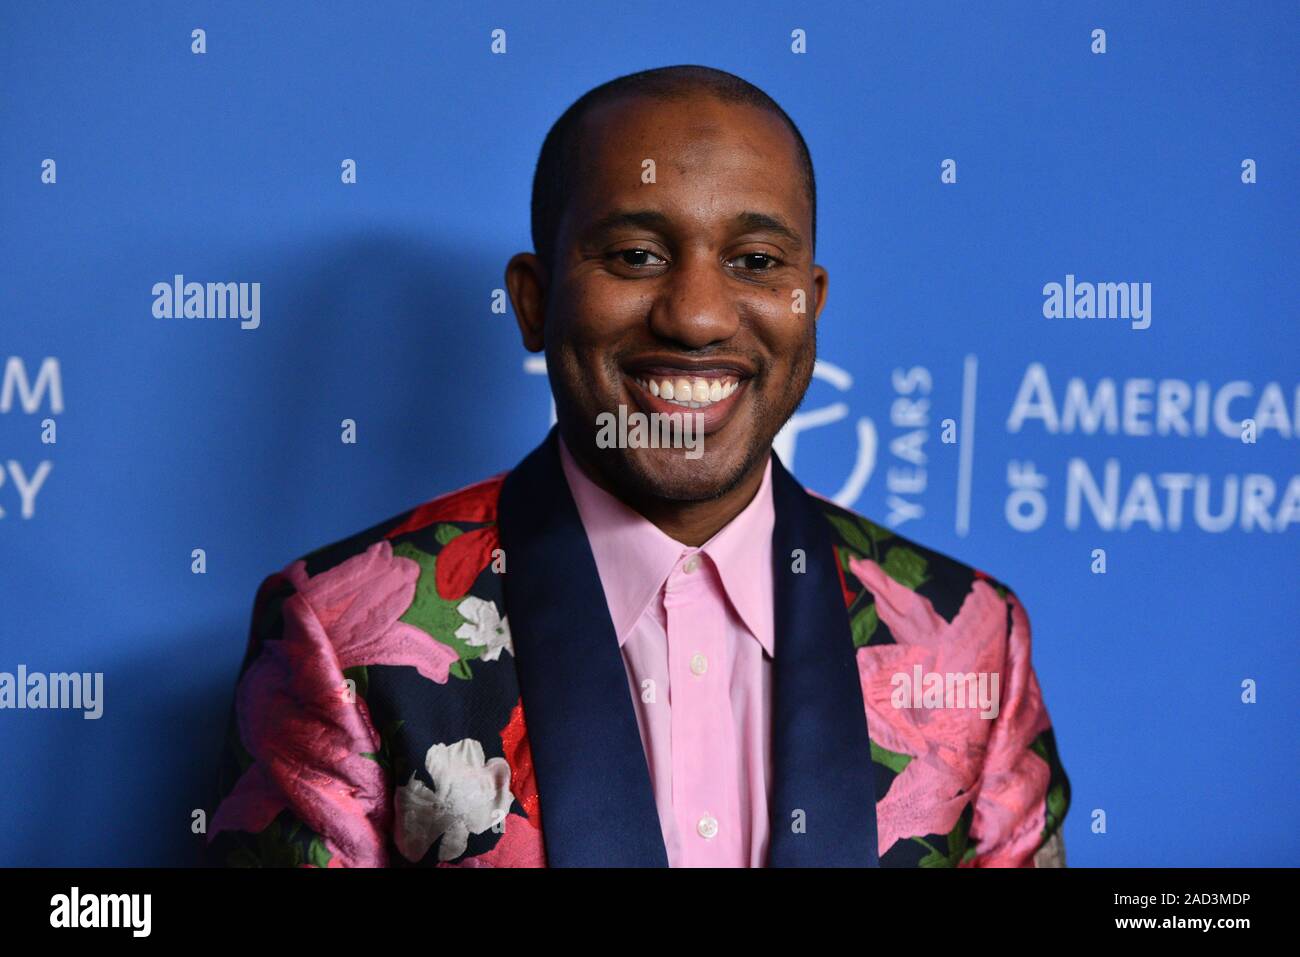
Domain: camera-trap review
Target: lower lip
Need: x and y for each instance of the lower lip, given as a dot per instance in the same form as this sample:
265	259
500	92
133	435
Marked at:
715	415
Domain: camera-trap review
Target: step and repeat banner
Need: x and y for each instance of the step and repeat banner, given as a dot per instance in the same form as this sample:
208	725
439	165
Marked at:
253	261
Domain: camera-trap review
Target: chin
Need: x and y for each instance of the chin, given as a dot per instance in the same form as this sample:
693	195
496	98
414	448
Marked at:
668	475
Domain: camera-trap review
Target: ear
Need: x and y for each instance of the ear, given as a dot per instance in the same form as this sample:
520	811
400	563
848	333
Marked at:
526	280
821	280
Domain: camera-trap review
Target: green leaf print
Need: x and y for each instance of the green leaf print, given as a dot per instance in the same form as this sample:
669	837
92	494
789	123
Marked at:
959	837
905	567
935	858
433	614
959	846
853	533
846	555
1055	806
318	854
864	625
445	533
877	533
890	759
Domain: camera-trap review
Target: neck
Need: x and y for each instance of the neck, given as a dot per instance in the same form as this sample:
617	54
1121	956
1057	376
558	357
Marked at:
694	523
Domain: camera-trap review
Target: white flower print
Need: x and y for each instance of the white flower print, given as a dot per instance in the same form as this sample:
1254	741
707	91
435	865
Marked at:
468	796
484	628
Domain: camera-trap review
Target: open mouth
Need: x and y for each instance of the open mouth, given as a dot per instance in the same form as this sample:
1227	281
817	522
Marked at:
713	394
689	392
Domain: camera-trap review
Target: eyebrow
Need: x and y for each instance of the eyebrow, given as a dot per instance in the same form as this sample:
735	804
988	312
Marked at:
748	221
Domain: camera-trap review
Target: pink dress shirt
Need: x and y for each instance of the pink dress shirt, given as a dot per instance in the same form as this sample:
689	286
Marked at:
696	633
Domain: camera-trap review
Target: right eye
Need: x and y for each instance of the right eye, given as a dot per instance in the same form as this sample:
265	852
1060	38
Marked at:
635	257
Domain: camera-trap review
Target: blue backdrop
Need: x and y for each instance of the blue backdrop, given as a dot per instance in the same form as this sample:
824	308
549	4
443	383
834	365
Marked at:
967	156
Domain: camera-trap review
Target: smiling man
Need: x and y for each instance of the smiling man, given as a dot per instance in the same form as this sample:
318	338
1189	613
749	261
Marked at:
619	653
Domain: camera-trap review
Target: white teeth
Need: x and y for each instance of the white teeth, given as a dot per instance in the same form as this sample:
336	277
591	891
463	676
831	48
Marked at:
690	393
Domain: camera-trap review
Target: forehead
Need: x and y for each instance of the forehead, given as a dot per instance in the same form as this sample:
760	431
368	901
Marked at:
711	158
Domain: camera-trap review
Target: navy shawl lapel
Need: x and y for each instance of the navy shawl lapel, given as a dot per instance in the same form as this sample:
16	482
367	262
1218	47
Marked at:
594	792
596	800
821	755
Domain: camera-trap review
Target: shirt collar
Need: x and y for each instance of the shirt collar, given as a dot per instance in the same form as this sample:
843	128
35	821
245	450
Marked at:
634	557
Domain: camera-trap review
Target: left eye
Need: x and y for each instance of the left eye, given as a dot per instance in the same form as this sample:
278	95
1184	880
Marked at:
758	262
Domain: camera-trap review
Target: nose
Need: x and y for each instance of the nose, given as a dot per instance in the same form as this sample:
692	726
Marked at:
696	305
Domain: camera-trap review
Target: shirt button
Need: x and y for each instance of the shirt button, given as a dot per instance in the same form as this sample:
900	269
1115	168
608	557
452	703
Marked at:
691	564
699	664
708	826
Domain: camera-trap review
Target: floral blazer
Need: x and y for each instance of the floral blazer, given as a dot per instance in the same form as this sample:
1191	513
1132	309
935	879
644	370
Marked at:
446	690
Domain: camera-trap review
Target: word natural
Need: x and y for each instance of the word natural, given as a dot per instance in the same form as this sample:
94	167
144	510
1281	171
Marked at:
658	430
213	300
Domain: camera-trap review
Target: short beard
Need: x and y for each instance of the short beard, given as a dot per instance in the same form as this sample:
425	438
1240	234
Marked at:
637	485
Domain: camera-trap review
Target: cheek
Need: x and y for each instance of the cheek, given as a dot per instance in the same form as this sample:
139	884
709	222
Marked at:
607	302
777	303
594	323
579	365
789	336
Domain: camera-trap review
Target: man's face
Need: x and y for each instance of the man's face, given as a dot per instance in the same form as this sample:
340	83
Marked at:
683	295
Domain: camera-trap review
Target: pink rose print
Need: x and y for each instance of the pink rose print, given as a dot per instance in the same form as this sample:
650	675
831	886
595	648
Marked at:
296	718
955	751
